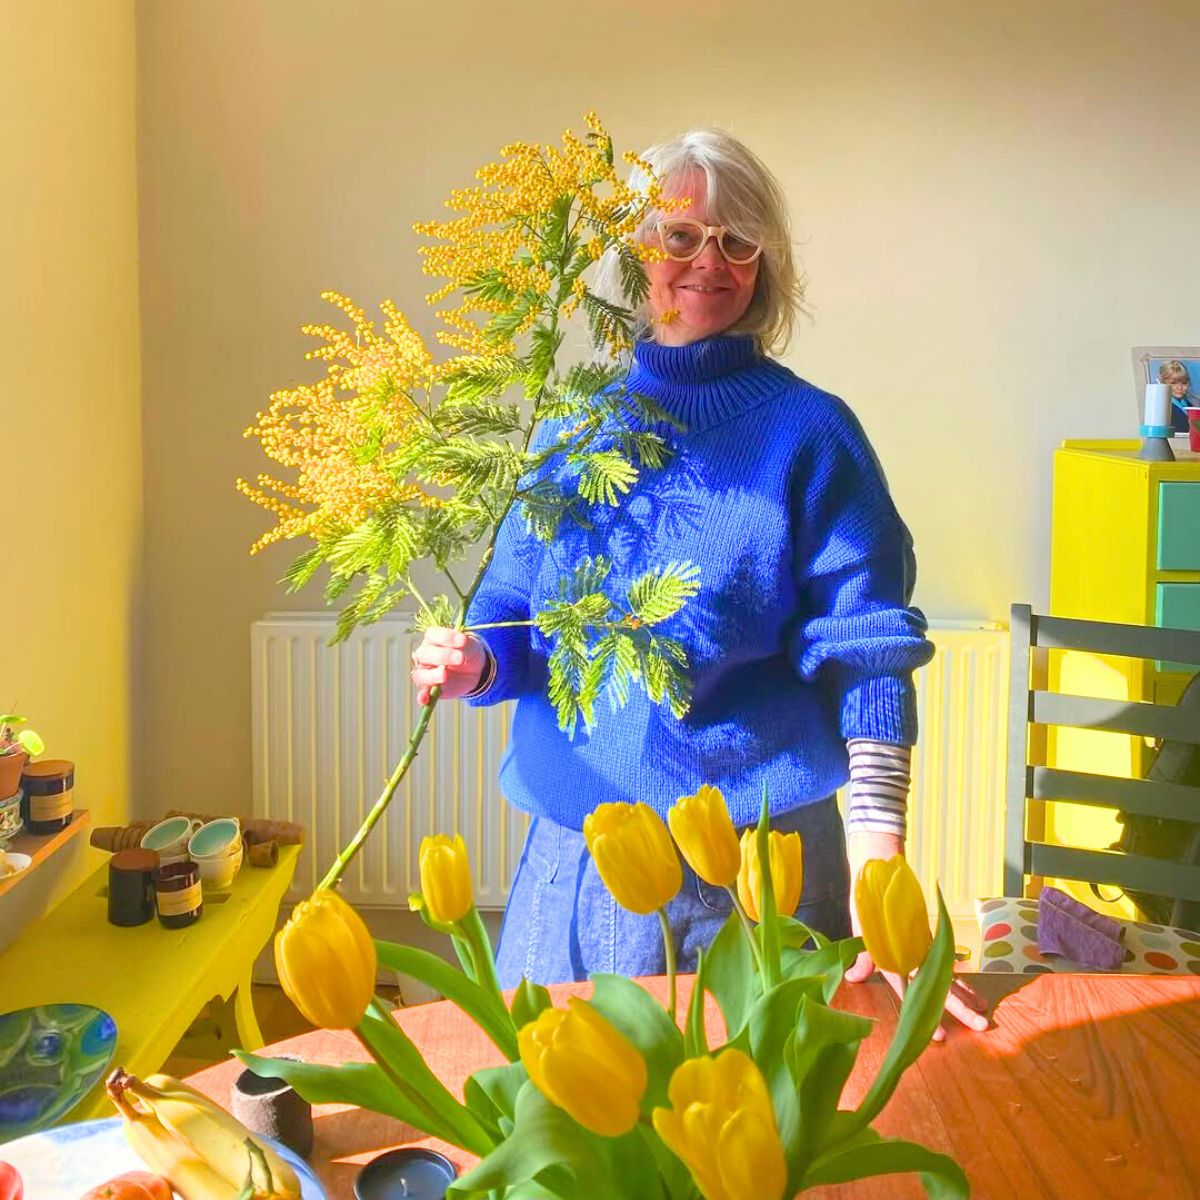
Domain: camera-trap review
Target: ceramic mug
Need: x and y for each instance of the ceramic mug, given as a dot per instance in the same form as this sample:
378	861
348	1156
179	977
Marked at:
217	871
170	838
217	839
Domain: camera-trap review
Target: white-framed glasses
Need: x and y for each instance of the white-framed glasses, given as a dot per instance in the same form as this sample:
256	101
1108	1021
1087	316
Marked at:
684	238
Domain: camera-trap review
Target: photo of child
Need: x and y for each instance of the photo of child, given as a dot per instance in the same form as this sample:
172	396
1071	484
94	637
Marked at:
1176	366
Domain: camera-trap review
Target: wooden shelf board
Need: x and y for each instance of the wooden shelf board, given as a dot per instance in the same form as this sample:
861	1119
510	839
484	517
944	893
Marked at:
40	847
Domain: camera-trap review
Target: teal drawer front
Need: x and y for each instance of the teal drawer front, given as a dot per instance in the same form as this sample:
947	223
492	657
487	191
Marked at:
1179	527
1178	607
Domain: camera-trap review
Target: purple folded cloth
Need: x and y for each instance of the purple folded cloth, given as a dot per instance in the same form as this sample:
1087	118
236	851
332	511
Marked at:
1073	930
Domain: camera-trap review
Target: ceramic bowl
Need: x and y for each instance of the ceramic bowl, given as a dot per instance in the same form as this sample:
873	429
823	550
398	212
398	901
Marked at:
170	839
50	1058
216	839
218	871
12	863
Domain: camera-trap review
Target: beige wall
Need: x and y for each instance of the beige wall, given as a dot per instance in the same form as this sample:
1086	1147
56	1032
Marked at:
70	446
994	201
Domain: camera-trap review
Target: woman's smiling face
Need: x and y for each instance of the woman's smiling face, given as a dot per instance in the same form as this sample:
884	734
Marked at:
709	294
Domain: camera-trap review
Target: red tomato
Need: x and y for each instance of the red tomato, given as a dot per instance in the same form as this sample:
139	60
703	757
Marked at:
11	1187
133	1185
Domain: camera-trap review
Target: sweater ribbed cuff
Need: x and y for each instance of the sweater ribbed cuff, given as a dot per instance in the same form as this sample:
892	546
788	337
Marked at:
880	707
509	652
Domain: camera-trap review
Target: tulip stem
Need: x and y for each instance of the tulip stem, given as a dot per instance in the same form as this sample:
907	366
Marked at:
748	929
669	951
475	933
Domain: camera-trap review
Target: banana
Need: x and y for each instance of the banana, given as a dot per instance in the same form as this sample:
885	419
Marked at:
216	1136
166	1154
195	1144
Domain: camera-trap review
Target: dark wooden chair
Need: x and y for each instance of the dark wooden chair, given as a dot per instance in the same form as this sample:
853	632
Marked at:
1008	923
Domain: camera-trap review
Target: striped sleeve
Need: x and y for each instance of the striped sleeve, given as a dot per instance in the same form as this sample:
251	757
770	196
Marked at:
879	782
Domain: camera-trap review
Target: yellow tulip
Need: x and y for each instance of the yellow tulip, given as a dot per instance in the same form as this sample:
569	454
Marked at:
446	884
634	855
585	1066
892	914
326	961
704	832
722	1126
787	872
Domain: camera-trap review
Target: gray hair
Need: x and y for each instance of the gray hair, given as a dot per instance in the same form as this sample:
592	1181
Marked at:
746	197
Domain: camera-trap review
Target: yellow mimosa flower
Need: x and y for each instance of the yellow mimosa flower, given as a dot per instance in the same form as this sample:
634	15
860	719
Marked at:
787	872
585	1066
704	832
892	914
446	877
722	1126
326	961
634	855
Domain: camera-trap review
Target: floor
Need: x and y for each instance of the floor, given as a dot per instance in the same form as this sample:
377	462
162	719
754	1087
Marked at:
207	1042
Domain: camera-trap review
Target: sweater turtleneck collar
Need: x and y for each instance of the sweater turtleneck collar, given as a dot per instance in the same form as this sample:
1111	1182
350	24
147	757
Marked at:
705	382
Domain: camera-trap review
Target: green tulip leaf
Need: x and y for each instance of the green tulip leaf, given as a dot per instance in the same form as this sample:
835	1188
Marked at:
481	1005
828	964
695	1038
922	1008
733	978
395	1052
12	719
496	1088
768	924
548	1148
529	1001
863	1156
362	1084
30	742
644	1021
796	934
820	1058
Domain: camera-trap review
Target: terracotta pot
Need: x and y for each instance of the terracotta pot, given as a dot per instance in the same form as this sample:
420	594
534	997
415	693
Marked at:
11	766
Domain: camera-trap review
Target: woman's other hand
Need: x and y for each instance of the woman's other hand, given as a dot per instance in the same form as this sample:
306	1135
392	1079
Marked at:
963	1003
449	659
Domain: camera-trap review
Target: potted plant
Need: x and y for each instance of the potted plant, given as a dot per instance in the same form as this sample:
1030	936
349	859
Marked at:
17	746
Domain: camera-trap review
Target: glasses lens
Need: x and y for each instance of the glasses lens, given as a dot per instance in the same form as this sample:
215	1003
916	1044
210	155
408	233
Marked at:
737	249
681	239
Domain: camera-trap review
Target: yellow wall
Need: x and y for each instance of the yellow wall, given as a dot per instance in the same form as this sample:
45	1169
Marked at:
70	435
994	201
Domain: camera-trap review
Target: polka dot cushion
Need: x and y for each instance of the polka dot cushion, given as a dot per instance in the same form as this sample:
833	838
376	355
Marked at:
1009	943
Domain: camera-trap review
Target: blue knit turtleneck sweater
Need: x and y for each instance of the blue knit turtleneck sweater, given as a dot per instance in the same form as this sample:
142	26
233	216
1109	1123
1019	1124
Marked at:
800	637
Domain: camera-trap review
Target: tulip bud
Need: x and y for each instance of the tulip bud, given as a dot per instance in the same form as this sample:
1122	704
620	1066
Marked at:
787	872
892	914
722	1126
634	855
585	1066
446	883
326	961
704	832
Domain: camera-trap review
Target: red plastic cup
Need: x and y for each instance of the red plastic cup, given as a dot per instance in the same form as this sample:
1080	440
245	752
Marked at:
1193	416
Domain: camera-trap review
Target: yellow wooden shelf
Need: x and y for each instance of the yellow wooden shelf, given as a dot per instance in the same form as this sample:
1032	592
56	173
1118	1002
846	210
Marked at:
40	847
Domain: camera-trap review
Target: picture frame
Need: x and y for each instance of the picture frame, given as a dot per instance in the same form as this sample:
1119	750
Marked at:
1148	364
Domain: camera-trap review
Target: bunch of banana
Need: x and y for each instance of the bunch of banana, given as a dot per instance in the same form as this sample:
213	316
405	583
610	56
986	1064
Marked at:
203	1151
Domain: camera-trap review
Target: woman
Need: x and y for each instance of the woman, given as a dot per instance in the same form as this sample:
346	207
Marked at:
801	642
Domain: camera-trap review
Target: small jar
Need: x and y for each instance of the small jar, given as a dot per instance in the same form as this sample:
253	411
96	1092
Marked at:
177	895
49	788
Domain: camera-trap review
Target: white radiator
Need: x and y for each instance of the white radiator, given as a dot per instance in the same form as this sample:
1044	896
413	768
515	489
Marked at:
329	724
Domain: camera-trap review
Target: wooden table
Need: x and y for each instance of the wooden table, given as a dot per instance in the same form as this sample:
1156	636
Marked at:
152	981
1087	1086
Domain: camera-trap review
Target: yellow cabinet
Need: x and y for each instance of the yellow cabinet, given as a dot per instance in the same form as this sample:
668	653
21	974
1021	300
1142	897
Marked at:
1125	546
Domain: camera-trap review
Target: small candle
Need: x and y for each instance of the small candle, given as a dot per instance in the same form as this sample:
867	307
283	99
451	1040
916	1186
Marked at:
1158	404
413	1173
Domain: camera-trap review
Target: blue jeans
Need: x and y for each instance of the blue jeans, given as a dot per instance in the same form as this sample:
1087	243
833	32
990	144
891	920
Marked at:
561	922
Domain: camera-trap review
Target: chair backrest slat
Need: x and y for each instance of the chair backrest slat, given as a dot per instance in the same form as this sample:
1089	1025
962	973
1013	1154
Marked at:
1129	641
1119	716
1135	871
1173	801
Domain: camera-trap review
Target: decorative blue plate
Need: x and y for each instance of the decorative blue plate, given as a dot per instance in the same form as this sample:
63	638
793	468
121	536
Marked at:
59	1164
50	1058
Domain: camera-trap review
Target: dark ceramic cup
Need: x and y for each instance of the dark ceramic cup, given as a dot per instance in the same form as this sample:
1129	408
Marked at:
272	1108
